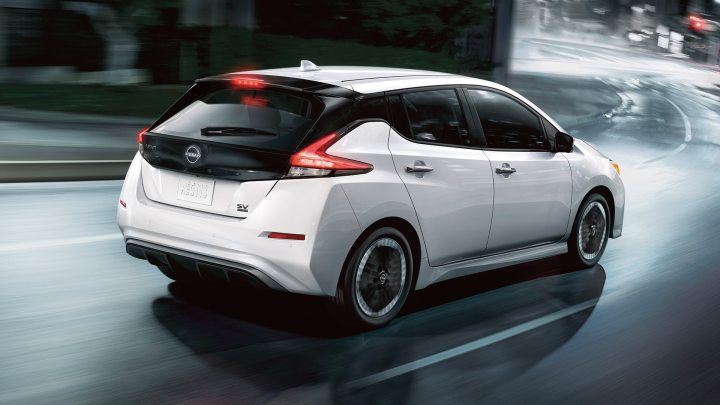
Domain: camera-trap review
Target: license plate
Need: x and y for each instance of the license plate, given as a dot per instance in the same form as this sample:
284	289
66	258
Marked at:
196	190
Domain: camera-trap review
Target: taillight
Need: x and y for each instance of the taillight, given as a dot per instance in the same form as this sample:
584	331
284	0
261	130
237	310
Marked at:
313	161
140	136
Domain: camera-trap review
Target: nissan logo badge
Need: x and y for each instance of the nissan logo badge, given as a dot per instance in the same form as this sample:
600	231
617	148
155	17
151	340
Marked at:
192	154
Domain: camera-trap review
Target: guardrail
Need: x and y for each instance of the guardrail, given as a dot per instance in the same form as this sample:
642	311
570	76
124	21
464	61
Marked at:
62	170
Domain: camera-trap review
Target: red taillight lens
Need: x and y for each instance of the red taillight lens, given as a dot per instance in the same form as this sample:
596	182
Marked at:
248	83
289	236
141	134
315	158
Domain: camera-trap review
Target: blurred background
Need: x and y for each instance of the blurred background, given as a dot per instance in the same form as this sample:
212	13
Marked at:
128	60
83	322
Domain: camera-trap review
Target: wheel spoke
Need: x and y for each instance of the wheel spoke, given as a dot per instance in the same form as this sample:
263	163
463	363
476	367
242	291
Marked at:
380	277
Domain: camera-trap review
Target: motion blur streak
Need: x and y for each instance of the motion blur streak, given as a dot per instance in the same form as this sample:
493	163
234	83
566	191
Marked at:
57	242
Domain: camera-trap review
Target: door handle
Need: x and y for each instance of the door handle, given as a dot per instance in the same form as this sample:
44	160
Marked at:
505	169
418	167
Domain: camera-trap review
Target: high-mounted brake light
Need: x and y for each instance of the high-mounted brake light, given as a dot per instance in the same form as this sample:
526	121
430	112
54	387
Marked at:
313	161
248	83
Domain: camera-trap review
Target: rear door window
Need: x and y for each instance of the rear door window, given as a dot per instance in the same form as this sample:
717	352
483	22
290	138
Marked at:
435	116
265	118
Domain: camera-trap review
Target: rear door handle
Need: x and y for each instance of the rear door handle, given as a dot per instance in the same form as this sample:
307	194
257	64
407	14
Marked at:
418	167
505	169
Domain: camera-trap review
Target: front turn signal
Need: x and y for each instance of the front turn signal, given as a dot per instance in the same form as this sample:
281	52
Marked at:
615	166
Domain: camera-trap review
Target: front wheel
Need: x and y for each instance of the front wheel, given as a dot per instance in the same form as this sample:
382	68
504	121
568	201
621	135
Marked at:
590	233
376	280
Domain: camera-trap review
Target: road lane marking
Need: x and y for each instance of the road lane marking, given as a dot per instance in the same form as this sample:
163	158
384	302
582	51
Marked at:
469	347
18	247
687	139
686	120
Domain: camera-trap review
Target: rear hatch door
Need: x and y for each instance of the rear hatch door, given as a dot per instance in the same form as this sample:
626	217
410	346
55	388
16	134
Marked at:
222	147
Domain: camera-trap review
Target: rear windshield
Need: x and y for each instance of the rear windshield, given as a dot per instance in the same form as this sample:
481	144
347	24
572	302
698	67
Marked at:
267	118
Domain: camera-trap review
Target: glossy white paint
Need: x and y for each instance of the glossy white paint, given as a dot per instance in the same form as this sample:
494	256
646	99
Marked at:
532	205
162	186
317	208
467	218
454	201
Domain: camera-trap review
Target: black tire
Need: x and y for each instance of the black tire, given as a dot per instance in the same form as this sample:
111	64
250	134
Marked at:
376	280
590	233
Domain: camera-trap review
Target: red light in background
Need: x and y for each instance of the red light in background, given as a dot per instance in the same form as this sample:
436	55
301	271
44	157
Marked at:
248	83
696	23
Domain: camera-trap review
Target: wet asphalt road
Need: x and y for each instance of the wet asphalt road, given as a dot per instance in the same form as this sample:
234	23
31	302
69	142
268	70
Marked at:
82	322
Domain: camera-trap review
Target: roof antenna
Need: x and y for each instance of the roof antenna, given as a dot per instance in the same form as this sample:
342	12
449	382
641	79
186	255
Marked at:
307	66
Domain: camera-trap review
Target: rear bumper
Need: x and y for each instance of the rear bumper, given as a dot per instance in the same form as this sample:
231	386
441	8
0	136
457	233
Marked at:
189	266
228	247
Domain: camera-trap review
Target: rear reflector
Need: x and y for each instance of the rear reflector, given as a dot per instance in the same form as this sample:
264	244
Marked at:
290	236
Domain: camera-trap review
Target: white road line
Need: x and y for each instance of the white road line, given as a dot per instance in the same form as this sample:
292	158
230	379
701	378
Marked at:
688	136
18	247
686	120
469	347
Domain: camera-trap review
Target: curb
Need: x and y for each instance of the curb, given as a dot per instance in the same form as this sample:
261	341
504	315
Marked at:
62	170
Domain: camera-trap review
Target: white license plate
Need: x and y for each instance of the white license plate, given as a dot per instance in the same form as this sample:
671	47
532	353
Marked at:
196	190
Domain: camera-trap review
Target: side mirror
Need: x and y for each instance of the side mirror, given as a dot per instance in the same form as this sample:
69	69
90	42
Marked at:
563	142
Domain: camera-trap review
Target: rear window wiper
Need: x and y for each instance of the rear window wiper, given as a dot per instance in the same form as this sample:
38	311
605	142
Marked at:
234	131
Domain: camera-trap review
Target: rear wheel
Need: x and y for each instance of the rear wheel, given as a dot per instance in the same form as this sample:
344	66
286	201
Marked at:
376	281
590	232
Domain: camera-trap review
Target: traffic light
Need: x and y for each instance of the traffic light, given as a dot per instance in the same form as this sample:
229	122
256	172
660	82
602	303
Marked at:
696	23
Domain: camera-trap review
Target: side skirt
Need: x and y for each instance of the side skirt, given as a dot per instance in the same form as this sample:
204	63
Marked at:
491	262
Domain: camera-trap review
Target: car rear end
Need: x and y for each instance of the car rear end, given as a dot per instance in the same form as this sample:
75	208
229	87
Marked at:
232	184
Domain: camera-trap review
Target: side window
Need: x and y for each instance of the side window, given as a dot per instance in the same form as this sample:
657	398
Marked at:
370	108
399	119
506	123
436	116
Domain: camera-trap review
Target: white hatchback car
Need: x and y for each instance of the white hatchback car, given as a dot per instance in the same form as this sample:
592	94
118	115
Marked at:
361	184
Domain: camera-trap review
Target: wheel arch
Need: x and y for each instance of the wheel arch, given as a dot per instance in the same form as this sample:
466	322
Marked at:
402	225
607	194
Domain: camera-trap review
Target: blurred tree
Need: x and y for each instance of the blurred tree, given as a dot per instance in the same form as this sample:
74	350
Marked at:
427	24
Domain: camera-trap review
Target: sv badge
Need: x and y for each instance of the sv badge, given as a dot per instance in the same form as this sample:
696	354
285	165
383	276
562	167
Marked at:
242	208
